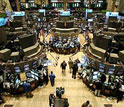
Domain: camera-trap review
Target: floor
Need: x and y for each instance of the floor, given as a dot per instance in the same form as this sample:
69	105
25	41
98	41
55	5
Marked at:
76	92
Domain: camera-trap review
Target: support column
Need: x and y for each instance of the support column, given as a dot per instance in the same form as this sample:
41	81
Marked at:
121	6
17	5
113	5
65	5
89	4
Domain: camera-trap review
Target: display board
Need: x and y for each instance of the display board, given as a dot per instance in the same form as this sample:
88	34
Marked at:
17	69
2	22
88	13
21	13
113	14
42	11
64	13
111	70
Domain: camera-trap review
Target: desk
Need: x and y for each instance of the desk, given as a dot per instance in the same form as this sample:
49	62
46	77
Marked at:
105	90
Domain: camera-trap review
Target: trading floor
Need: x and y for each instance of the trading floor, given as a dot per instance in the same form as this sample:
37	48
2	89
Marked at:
76	92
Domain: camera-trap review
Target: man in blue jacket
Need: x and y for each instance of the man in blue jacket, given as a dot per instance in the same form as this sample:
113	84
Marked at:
52	78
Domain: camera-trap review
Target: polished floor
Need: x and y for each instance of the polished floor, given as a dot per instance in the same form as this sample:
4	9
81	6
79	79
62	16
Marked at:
76	92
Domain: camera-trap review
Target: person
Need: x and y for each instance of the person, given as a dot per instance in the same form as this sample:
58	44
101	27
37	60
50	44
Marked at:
119	94
63	66
45	77
103	77
27	89
51	100
86	104
99	85
1	99
66	104
74	70
52	78
70	63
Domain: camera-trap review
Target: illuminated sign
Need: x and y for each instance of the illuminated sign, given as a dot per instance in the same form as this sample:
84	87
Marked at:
65	13
114	14
18	13
42	11
2	22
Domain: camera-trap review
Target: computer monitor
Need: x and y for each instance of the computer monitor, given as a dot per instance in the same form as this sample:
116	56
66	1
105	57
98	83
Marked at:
26	67
34	65
101	67
111	70
17	69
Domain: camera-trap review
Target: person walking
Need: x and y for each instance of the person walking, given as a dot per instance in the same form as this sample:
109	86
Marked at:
74	70
70	63
52	78
63	66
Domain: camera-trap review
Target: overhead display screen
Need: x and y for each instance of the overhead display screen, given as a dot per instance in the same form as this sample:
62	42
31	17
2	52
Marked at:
64	13
22	13
42	11
114	14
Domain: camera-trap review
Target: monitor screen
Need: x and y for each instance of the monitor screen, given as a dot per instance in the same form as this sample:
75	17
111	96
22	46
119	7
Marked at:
101	67
64	13
34	65
111	70
21	13
17	69
26	67
120	72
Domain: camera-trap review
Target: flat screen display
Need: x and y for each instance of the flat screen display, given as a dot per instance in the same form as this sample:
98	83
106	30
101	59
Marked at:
26	67
17	69
22	13
34	65
64	13
111	70
101	67
42	11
